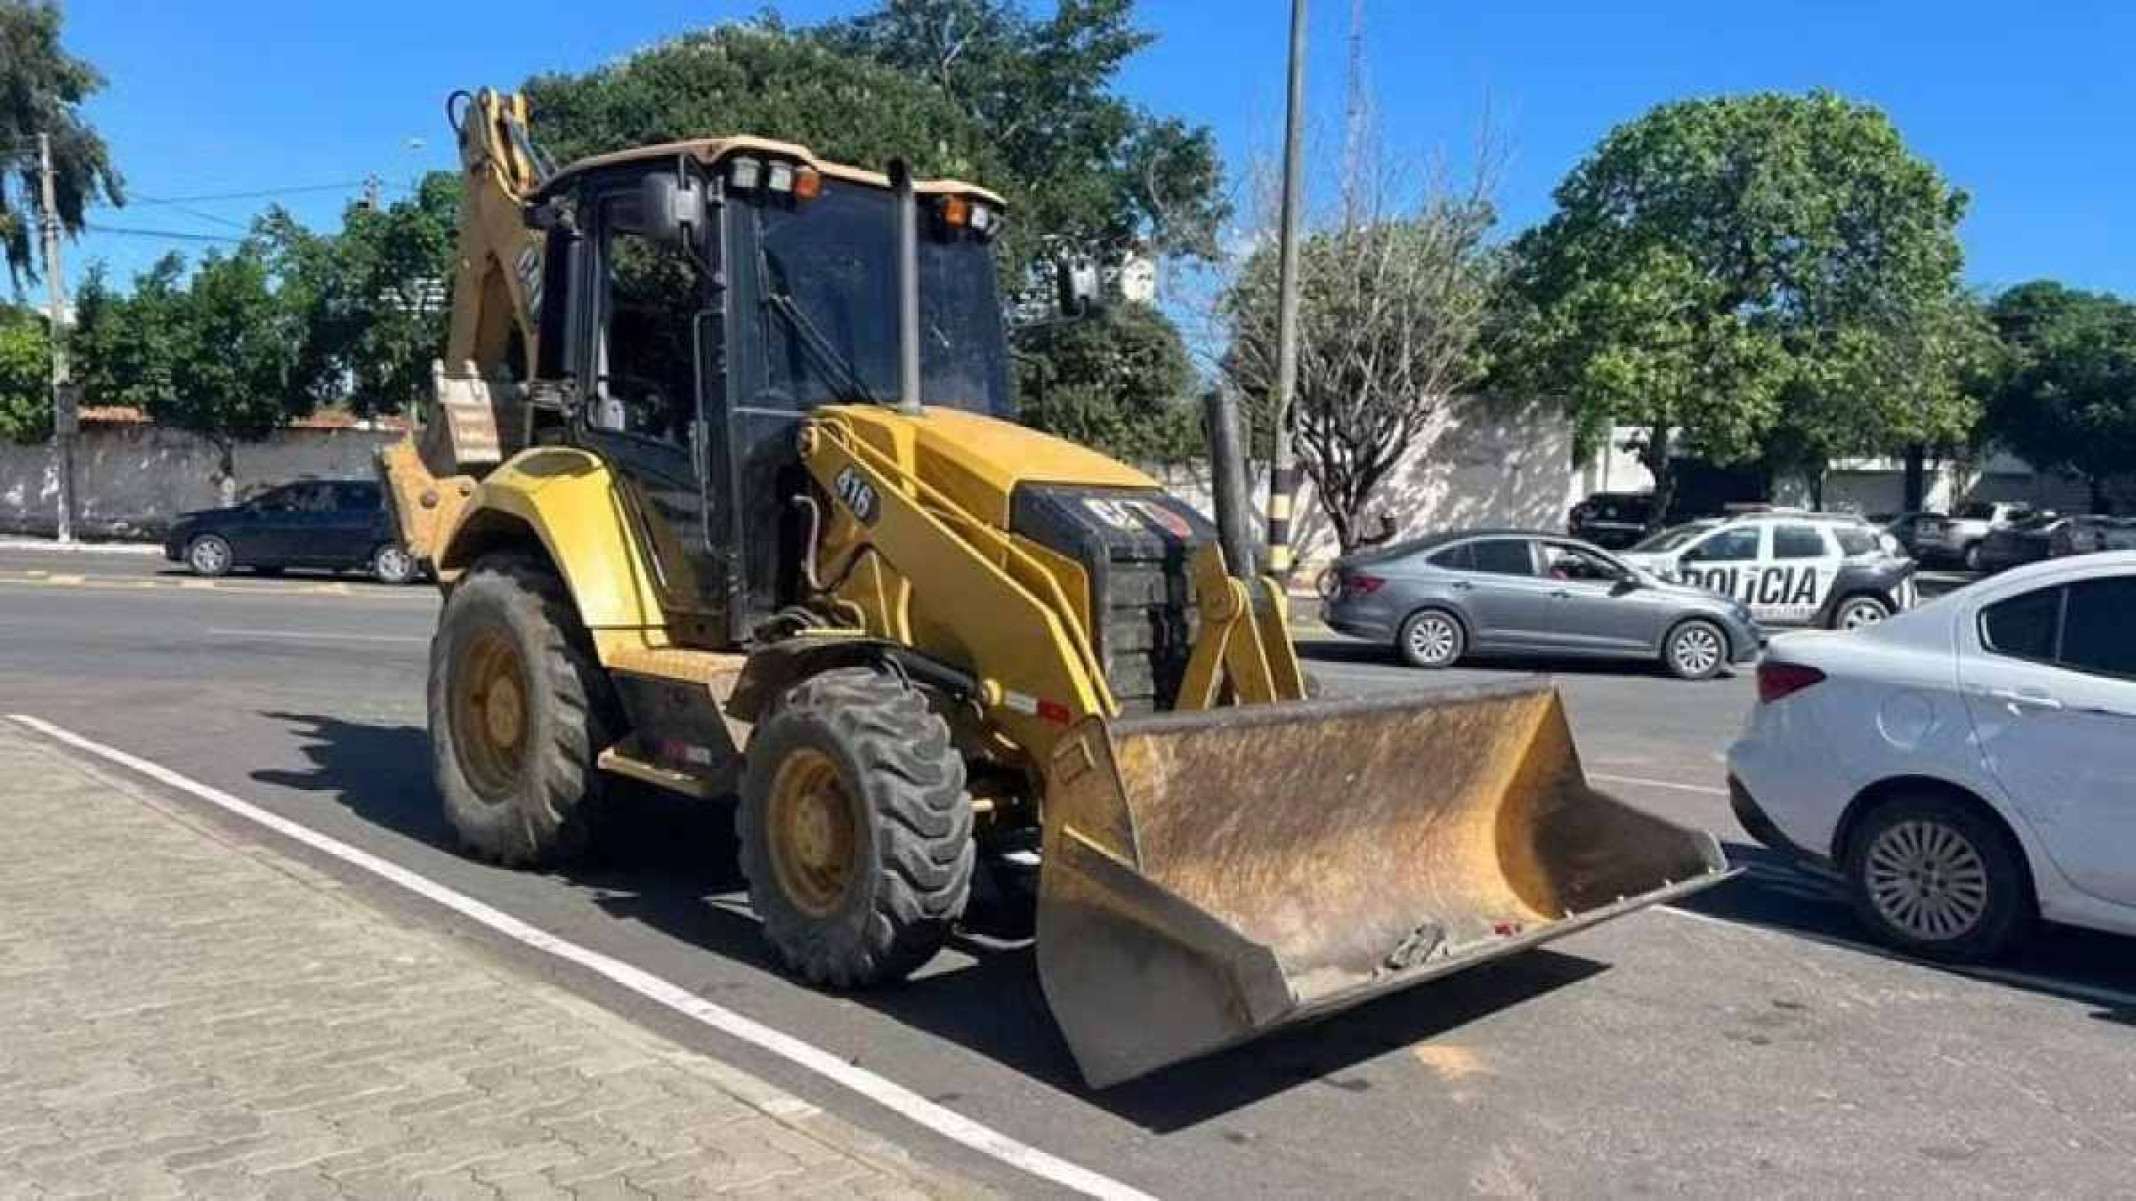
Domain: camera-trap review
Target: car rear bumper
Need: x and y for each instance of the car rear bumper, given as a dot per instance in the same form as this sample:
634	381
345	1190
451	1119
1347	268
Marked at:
1761	827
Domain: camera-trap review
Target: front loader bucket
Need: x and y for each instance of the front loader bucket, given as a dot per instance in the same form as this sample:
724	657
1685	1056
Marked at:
1212	876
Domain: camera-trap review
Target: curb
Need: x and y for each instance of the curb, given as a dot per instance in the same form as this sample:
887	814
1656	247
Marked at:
48	546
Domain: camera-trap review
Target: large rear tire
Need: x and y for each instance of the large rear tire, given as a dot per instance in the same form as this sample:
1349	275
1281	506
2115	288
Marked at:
855	829
519	709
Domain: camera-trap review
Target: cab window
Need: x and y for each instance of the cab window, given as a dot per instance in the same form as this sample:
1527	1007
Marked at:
1503	556
1727	546
1798	542
644	355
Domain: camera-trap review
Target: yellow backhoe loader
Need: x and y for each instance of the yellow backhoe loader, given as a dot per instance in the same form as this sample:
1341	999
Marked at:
723	487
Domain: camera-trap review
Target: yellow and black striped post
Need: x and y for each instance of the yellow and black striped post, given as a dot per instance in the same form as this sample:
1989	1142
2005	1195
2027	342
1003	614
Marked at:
1282	493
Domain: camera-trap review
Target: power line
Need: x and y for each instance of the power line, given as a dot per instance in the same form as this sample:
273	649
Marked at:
177	235
254	195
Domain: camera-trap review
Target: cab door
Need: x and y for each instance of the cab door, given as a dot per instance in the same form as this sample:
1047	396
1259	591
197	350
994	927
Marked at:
645	372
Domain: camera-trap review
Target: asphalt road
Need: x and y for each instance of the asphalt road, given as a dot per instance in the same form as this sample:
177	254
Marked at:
1742	1044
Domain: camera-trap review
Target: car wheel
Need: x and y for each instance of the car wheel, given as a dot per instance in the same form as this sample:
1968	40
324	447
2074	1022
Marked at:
1858	611
1431	638
209	555
1696	650
1972	557
1935	877
392	564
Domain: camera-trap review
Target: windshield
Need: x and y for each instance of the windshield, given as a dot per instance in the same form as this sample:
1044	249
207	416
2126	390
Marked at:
1976	512
1671	538
828	290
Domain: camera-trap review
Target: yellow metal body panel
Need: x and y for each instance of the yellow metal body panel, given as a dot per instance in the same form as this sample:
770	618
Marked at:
568	498
947	582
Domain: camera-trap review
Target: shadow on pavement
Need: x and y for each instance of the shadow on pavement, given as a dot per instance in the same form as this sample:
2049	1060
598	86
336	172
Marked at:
1777	892
671	864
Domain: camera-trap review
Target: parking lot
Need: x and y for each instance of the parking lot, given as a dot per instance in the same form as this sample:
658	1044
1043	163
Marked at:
1743	1041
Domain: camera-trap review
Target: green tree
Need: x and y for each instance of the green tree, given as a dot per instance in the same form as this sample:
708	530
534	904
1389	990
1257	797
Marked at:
1719	264
1094	172
25	377
758	79
2068	401
1119	381
372	299
216	353
236	357
42	88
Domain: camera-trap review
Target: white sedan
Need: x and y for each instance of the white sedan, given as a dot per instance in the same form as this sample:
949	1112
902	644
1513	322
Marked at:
1968	766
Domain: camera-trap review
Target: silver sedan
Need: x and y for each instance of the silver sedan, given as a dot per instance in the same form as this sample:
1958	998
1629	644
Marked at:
1482	592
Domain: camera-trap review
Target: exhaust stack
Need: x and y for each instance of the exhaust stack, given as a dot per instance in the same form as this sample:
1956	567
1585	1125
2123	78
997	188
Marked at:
908	288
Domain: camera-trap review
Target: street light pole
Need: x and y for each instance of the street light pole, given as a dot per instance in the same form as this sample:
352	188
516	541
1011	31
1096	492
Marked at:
1283	477
66	419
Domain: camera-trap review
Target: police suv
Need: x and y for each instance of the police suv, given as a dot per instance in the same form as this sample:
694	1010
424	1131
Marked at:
1791	568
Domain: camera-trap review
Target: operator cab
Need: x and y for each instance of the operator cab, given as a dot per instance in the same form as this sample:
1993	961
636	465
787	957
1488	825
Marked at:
715	293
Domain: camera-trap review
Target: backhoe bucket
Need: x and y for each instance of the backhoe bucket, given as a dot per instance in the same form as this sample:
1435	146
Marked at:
1212	876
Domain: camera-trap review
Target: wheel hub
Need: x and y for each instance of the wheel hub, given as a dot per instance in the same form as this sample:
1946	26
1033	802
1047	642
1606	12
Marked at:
814	832
489	713
1928	880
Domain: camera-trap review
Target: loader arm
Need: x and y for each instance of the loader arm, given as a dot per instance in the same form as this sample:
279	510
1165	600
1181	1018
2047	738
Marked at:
479	414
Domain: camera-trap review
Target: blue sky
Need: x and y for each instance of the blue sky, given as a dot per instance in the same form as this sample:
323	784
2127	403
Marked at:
2031	108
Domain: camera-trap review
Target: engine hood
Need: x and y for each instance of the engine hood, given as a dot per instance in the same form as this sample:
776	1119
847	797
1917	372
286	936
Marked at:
980	461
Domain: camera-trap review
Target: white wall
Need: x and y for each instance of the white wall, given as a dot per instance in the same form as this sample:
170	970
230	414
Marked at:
1480	463
130	480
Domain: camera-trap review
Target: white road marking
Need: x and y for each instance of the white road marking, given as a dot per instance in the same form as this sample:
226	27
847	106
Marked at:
881	1090
316	635
2094	994
1643	782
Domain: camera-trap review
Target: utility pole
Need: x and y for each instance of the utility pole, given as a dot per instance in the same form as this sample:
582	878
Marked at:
66	418
1283	478
1353	120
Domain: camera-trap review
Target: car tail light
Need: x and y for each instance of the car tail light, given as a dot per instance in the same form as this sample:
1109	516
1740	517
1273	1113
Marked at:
1780	680
1360	584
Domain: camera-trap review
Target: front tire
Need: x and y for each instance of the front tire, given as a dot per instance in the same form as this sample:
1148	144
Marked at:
1431	639
855	829
1934	877
519	708
1972	558
210	555
1695	650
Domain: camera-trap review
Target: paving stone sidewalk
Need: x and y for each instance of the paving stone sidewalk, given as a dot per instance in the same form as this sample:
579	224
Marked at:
188	1014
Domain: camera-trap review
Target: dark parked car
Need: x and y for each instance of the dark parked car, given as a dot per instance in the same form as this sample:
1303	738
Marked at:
2046	536
1611	519
1441	598
1906	527
340	525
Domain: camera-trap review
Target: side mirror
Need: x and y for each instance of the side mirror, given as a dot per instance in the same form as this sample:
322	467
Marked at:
674	210
1628	582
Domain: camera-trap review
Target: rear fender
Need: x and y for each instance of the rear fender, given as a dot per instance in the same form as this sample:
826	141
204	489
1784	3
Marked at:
564	501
